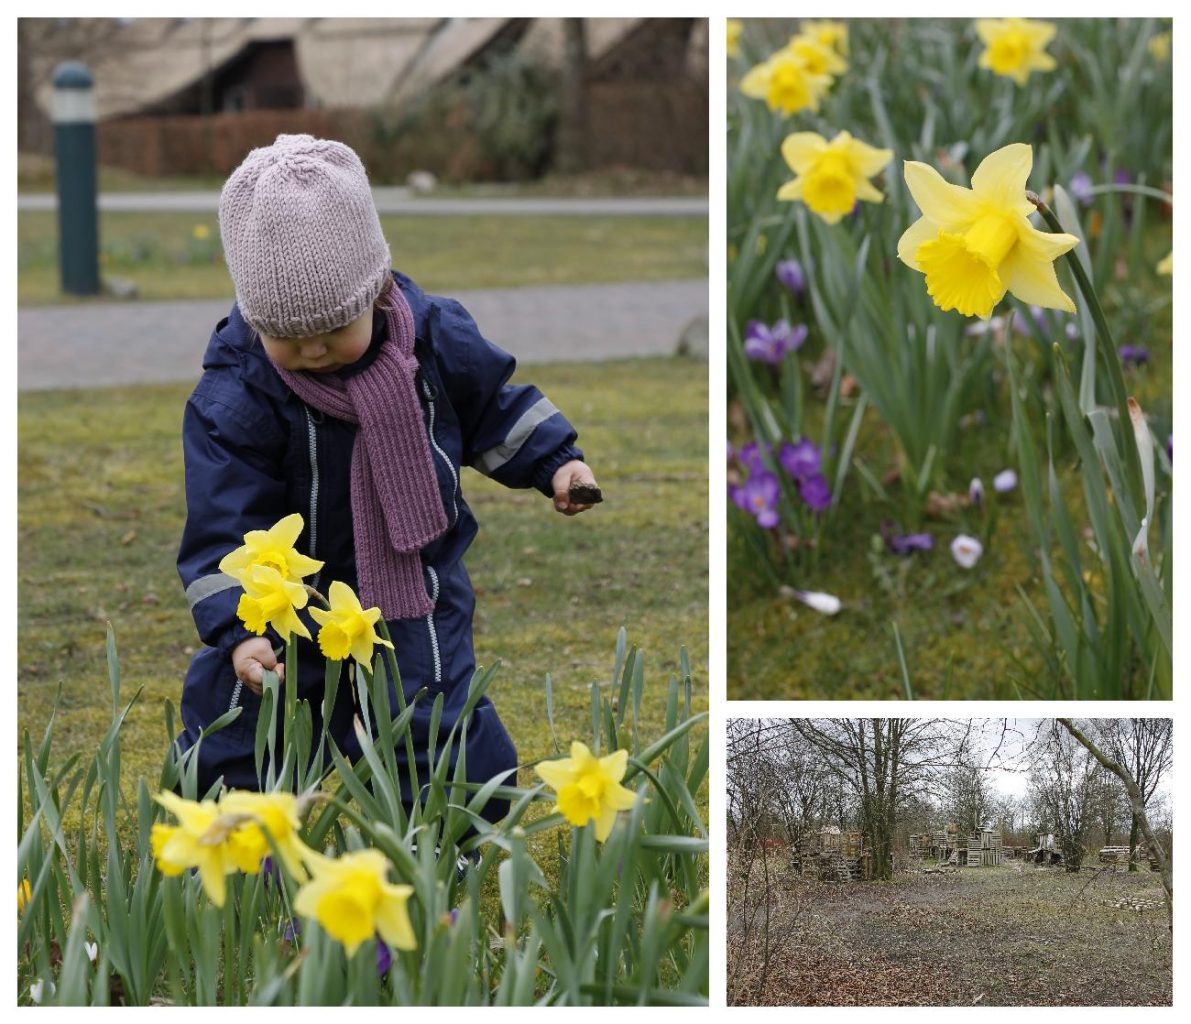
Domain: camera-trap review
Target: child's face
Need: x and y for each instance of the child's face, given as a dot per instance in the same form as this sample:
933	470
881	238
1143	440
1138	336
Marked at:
322	353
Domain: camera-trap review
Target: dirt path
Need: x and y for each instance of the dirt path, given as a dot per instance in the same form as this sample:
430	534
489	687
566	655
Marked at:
1012	935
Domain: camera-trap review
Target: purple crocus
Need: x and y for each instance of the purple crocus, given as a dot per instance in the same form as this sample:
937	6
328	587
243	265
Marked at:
292	931
905	543
801	460
1170	447
765	344
791	274
759	497
384	958
760	494
750	457
1081	187
976	491
816	492
1134	355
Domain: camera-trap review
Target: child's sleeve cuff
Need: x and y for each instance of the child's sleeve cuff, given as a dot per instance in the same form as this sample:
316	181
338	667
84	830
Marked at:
543	477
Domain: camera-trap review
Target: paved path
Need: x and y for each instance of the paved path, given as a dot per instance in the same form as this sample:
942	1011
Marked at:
400	201
103	344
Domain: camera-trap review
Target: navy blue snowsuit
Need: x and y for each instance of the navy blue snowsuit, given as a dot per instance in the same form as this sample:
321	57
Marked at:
255	453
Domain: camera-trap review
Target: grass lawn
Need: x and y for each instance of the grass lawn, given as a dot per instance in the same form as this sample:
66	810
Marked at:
178	255
101	511
1015	935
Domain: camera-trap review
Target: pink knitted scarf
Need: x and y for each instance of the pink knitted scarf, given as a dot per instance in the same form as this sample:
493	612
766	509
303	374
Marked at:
396	505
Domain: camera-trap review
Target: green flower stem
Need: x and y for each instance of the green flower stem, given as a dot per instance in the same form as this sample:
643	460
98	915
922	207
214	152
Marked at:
1108	348
390	654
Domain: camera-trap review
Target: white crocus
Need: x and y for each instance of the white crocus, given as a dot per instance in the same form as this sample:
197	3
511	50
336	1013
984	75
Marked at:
1004	481
966	550
827	604
976	490
92	949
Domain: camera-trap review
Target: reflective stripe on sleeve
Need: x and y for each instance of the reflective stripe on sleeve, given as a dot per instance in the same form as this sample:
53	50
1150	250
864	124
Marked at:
208	586
494	458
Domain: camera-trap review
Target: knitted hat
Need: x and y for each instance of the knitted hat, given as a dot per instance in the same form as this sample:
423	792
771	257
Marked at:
301	237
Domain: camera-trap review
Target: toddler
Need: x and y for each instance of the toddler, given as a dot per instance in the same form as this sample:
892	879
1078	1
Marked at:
337	389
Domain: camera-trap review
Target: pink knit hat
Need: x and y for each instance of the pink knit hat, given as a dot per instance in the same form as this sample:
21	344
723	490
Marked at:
301	237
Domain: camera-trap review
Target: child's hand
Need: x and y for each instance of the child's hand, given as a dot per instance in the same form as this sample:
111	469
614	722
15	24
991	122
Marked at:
250	658
573	472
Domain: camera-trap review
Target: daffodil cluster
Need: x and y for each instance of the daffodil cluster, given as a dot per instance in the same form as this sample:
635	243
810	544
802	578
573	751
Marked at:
350	896
271	570
219	838
799	75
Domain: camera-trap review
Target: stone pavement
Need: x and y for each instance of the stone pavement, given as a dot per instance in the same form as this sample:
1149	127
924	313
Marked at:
105	344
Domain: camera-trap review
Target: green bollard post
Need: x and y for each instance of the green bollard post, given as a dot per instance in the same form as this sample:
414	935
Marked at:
73	114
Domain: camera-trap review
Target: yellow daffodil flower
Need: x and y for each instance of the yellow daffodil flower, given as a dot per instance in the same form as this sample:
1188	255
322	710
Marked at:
1166	265
351	899
588	788
785	84
24	895
272	547
975	244
1014	47
270	600
201	232
1159	47
734	30
829	33
831	176
199	840
347	629
819	58
276	812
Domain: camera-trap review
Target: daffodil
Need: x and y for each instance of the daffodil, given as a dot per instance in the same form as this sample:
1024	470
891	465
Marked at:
829	33
352	900
1159	47
1166	264
588	788
832	176
276	813
975	244
819	58
348	628
273	547
199	840
734	30
1014	47
24	895
785	83
270	600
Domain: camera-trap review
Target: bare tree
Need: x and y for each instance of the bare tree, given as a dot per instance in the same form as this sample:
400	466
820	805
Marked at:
1145	748
1137	802
1064	786
882	761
